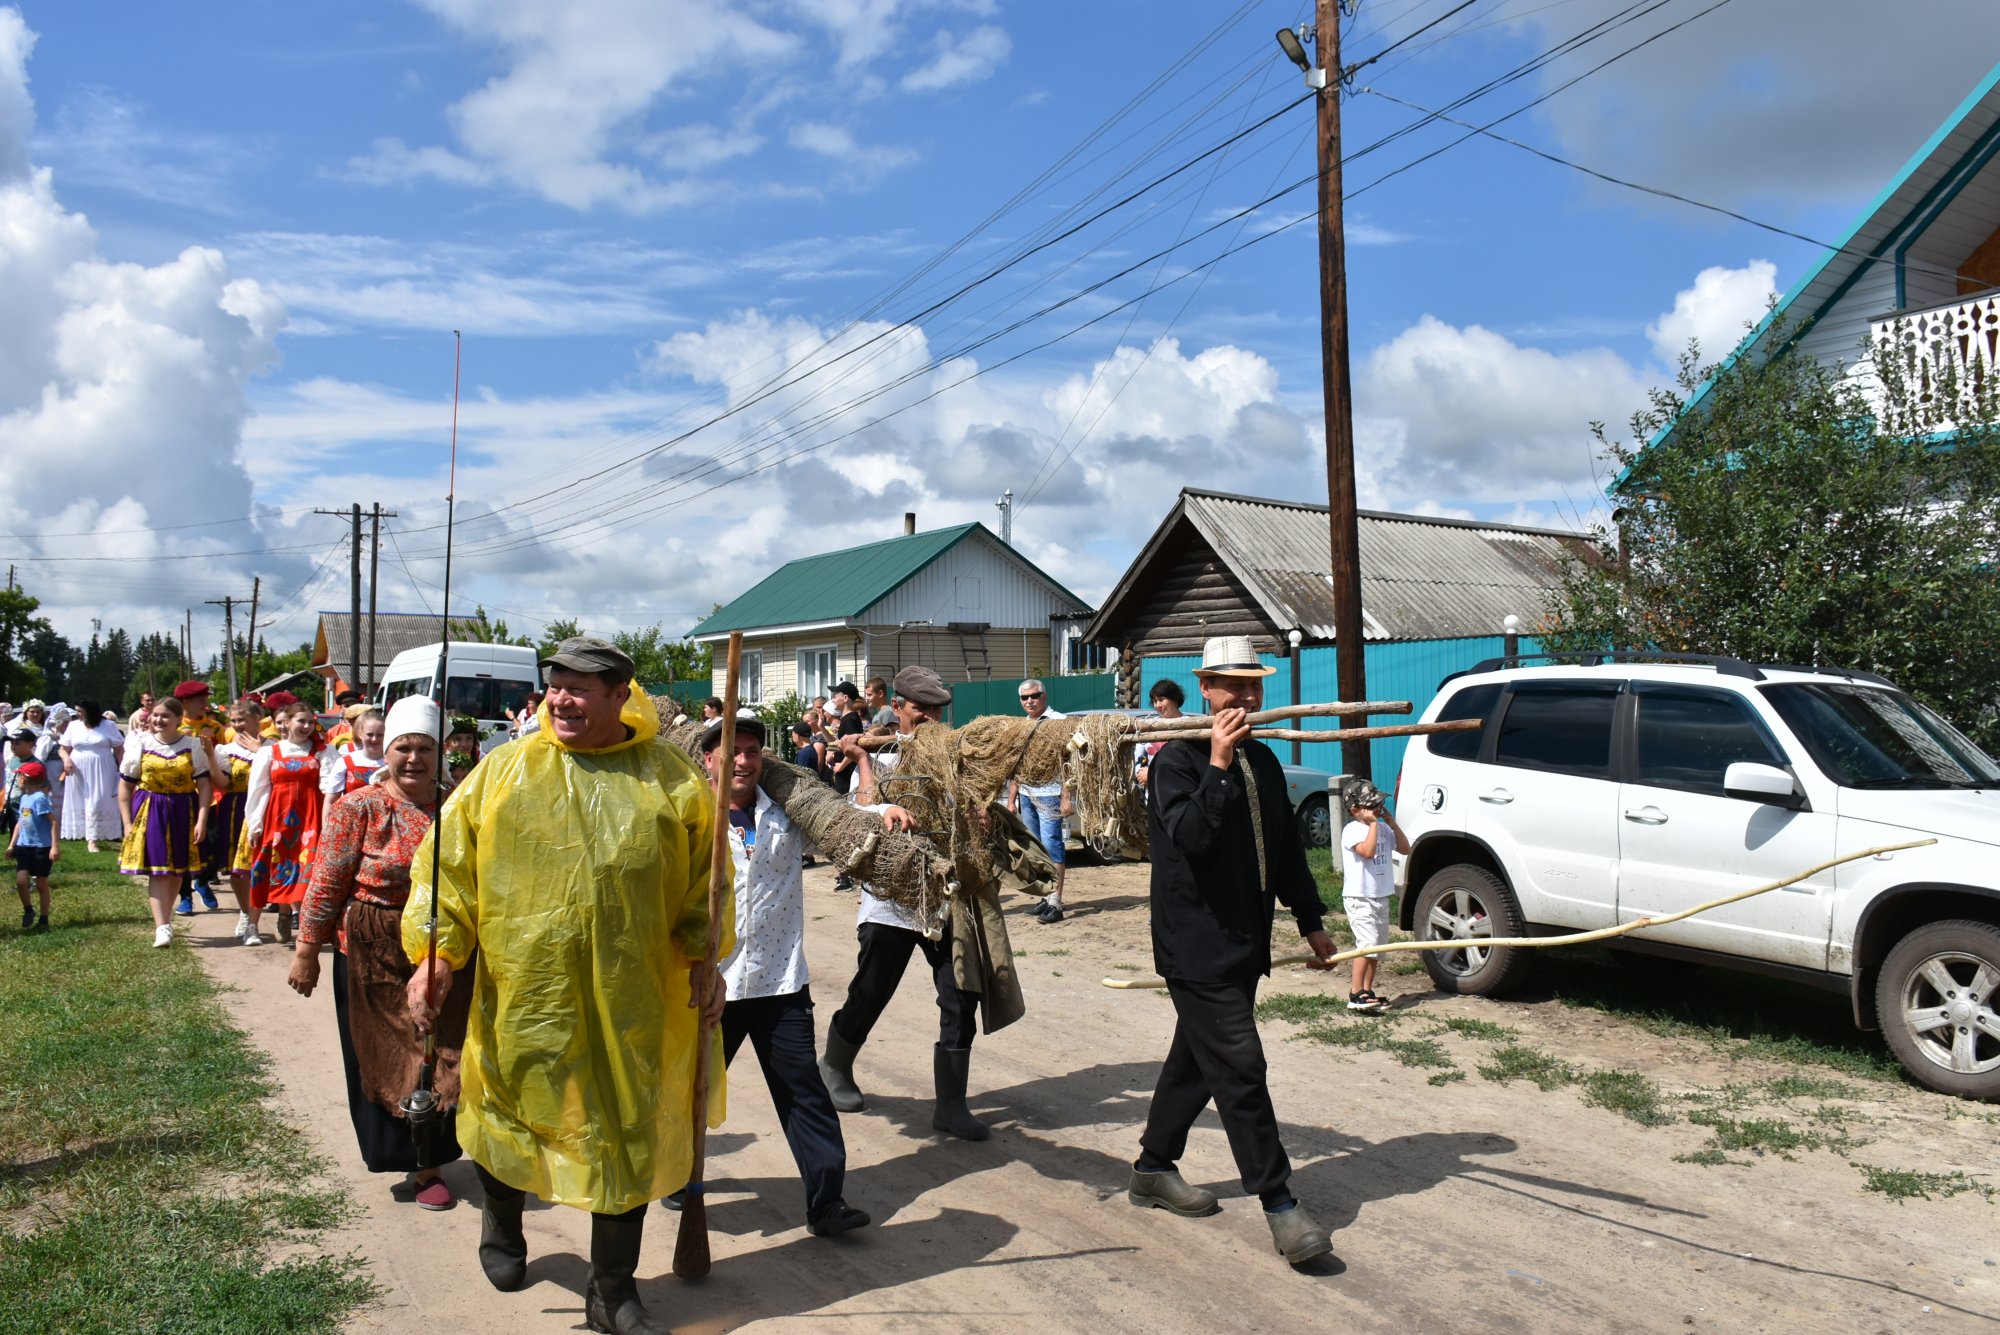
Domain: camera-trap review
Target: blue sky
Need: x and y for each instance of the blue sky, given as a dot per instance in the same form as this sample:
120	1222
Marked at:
235	239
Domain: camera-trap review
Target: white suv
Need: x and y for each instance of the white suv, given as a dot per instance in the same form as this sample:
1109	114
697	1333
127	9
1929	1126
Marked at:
1603	790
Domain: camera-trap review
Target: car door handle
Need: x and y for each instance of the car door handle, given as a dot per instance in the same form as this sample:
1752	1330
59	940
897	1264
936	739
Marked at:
1646	815
1499	797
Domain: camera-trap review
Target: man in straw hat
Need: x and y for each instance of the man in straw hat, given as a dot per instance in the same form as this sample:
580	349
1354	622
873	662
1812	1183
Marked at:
1225	849
577	861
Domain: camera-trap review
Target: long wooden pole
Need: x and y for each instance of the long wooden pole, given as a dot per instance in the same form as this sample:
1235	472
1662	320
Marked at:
1543	942
691	1256
1331	734
1324	709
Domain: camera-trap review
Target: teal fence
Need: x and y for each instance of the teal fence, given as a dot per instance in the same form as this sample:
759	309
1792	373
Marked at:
1396	671
689	693
972	699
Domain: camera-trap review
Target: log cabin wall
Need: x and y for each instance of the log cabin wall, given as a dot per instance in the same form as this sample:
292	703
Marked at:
1196	596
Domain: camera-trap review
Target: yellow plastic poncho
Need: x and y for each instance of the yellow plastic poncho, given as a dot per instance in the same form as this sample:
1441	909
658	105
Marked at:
582	876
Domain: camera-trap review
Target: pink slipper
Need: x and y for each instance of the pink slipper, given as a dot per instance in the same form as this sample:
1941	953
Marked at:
435	1195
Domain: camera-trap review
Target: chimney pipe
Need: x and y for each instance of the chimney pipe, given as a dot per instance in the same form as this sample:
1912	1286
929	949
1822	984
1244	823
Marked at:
909	523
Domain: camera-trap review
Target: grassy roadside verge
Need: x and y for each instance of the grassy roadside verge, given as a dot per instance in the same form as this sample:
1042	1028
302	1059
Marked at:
146	1182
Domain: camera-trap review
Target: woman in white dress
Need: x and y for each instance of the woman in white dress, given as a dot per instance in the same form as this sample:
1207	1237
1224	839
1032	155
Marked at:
90	747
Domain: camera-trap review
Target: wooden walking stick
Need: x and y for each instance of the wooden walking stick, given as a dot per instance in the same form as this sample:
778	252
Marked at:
691	1259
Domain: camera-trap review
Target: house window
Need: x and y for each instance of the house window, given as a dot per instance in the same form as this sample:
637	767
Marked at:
750	677
819	670
1086	657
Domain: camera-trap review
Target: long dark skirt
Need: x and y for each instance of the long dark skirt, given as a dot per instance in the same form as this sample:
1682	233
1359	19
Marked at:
379	1052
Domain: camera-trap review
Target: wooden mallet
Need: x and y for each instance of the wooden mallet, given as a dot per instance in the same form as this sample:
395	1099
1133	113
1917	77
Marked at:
691	1259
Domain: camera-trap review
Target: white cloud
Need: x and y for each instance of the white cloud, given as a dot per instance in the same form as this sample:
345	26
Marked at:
1783	101
125	384
961	60
17	108
1716	312
101	139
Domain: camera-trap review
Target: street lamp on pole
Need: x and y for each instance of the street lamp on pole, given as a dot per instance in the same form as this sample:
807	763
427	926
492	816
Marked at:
1510	631
1295	636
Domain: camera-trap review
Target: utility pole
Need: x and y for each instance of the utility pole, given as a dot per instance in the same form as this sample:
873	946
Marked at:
187	642
374	567
1349	647
353	514
228	606
10	579
256	589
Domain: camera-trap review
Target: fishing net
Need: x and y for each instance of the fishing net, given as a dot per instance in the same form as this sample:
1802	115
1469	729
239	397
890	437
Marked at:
1108	806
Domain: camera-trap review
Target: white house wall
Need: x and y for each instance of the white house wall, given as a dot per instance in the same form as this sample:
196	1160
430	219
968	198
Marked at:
977	580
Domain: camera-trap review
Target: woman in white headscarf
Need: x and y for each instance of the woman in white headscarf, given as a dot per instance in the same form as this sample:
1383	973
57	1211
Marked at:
361	878
89	748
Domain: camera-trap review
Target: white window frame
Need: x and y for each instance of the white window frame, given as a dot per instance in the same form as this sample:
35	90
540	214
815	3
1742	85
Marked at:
750	677
806	688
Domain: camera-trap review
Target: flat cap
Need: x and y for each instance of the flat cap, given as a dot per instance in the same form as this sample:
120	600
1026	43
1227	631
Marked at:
920	685
587	653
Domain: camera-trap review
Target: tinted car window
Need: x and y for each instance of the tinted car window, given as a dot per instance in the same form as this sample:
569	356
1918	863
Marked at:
1688	739
1561	727
486	697
1866	737
1471	702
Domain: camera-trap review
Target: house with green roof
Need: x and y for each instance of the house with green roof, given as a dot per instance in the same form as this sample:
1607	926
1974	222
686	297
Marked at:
957	600
1921	264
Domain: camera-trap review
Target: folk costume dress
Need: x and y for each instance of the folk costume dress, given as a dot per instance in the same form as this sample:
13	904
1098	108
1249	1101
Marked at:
360	881
351	769
581	876
161	841
232	801
281	824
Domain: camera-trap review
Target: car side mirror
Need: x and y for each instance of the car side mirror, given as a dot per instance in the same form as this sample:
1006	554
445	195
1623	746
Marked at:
1762	783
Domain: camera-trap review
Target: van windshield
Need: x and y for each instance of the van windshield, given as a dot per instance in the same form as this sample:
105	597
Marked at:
1866	737
486	697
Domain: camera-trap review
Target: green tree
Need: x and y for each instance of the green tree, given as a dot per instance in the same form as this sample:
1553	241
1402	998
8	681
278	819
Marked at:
484	629
19	676
555	633
1790	519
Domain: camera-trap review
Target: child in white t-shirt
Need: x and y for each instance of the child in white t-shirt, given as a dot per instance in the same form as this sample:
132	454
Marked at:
1368	879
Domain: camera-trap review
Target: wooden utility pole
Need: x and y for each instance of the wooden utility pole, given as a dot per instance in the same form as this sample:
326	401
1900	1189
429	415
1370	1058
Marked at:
228	606
354	595
256	589
374	567
1340	497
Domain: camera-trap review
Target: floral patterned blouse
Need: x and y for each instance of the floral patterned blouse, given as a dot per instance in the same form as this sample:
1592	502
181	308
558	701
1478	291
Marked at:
371	835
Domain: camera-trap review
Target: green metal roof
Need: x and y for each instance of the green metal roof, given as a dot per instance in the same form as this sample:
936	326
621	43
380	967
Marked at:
833	585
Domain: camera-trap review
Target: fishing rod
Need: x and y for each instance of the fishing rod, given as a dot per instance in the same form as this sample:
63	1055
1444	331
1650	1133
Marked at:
420	1105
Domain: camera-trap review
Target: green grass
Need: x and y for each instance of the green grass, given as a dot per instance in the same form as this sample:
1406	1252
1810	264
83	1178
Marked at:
1902	1184
1377	1034
1467	1027
1627	1093
1738	1014
1545	1070
1445	1077
146	1181
1301	1007
1758	1135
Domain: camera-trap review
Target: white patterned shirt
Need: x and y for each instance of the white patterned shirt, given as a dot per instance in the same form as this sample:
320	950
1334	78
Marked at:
770	955
872	909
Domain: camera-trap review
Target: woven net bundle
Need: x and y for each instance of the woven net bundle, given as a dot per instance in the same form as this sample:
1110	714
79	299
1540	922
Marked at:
1108	806
998	747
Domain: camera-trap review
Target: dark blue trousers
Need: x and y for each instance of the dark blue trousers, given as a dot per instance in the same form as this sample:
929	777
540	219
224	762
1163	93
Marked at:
781	1030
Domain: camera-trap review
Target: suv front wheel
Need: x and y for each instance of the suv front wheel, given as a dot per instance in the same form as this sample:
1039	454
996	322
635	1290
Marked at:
1938	1002
1466	902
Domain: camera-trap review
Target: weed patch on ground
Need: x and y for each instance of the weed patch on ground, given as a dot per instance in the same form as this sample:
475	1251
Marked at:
126	1104
1300	1007
1628	1094
1902	1184
1545	1070
1466	1027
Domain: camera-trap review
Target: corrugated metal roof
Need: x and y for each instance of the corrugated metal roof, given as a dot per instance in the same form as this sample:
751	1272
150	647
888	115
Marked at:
394	632
835	586
1421	578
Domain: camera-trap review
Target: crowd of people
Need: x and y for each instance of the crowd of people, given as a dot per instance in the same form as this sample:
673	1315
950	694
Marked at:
531	928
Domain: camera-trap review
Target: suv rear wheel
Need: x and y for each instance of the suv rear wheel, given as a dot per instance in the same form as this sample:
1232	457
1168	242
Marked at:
1938	1002
1466	902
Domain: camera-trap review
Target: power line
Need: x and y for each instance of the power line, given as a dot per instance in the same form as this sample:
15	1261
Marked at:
1351	70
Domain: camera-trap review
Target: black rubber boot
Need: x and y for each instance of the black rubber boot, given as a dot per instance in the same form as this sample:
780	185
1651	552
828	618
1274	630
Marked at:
503	1248
949	1070
836	1067
611	1300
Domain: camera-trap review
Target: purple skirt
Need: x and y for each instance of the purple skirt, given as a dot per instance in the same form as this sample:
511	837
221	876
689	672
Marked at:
162	839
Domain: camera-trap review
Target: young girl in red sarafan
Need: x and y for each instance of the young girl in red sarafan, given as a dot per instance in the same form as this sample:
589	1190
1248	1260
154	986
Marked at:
281	820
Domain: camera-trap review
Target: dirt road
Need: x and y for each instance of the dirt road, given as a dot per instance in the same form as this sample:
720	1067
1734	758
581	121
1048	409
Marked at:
1467	1206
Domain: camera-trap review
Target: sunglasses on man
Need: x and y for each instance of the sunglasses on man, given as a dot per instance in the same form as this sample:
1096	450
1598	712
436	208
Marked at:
1031	695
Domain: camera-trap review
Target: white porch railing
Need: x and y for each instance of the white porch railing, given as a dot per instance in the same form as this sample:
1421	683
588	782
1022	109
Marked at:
1947	355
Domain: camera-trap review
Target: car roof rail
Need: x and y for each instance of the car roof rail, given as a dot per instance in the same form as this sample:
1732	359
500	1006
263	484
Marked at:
1850	674
1722	663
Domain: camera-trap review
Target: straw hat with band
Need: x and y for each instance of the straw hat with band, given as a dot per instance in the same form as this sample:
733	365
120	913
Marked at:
1230	656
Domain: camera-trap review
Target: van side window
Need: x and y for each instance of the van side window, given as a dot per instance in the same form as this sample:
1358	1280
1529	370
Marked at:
1561	727
1688	738
1470	702
396	690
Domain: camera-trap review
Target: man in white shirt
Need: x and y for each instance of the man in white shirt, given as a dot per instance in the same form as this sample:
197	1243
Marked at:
1043	806
770	997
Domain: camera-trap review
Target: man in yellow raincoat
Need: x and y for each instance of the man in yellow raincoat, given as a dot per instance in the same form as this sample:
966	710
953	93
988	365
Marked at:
577	861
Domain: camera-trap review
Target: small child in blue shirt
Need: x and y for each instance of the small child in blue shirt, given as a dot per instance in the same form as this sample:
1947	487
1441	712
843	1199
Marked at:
33	843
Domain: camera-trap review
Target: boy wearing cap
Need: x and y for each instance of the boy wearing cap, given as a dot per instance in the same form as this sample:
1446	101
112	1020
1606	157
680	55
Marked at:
1225	849
1368	879
33	844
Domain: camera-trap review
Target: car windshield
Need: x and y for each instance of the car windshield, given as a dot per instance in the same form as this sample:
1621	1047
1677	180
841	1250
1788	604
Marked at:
1866	737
